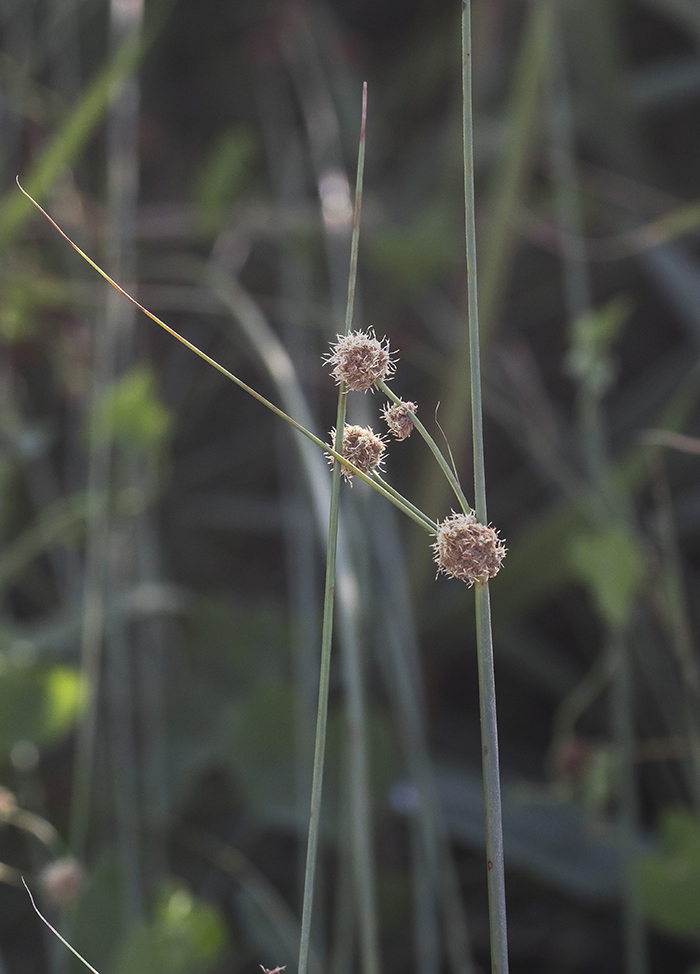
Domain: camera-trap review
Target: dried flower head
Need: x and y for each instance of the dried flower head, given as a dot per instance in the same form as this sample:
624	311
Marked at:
397	418
360	360
362	447
62	880
467	549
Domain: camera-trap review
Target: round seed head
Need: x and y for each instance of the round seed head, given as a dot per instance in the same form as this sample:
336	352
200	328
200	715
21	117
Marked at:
360	360
362	447
397	418
467	549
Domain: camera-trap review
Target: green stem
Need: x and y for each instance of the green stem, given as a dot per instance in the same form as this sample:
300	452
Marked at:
444	465
394	497
329	594
429	525
484	639
322	714
636	960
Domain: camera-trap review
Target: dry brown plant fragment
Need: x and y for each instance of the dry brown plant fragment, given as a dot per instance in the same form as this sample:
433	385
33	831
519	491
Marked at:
362	447
467	549
397	418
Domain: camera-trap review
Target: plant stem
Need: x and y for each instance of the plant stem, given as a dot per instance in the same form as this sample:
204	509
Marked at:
444	465
487	687
329	594
394	496
636	959
428	524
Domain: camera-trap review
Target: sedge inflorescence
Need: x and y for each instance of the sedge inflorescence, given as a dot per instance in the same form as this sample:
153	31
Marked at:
360	360
397	418
362	447
467	549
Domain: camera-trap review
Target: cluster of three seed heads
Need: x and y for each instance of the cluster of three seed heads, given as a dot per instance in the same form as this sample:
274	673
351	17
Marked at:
464	548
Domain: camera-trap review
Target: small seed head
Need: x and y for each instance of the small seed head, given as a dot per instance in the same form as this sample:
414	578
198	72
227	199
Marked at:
360	360
62	880
467	549
362	447
397	418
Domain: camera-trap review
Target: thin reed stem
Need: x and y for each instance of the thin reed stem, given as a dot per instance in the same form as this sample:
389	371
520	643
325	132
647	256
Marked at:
636	959
484	640
427	522
402	503
329	594
444	465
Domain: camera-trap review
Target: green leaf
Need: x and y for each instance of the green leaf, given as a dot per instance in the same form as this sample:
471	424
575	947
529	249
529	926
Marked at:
185	936
594	333
670	879
612	565
39	704
67	144
224	174
132	413
66	696
418	255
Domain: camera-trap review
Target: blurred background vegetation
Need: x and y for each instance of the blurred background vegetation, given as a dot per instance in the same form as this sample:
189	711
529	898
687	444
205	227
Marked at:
159	541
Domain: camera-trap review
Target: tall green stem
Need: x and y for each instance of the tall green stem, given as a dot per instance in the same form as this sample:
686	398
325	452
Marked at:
487	688
329	595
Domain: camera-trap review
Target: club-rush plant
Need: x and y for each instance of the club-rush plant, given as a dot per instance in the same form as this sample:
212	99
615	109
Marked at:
465	546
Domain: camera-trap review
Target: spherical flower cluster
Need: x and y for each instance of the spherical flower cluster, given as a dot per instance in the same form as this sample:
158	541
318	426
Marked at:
362	447
467	549
397	418
360	360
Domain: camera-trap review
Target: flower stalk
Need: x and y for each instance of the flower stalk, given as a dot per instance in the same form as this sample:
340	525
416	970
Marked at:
484	636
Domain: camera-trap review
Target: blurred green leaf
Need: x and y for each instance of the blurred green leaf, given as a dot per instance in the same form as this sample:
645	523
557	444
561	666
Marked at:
611	564
71	138
237	645
670	879
56	522
257	741
589	359
23	294
185	936
66	697
421	254
132	413
39	704
223	176
96	924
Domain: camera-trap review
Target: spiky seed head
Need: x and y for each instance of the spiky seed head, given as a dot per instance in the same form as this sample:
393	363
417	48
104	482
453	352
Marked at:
362	447
397	418
360	360
62	880
467	549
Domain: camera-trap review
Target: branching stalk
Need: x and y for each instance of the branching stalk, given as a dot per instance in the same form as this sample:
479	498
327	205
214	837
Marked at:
444	465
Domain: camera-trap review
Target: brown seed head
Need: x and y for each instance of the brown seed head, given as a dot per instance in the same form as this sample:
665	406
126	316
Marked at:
397	418
62	880
467	549
362	447
360	360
